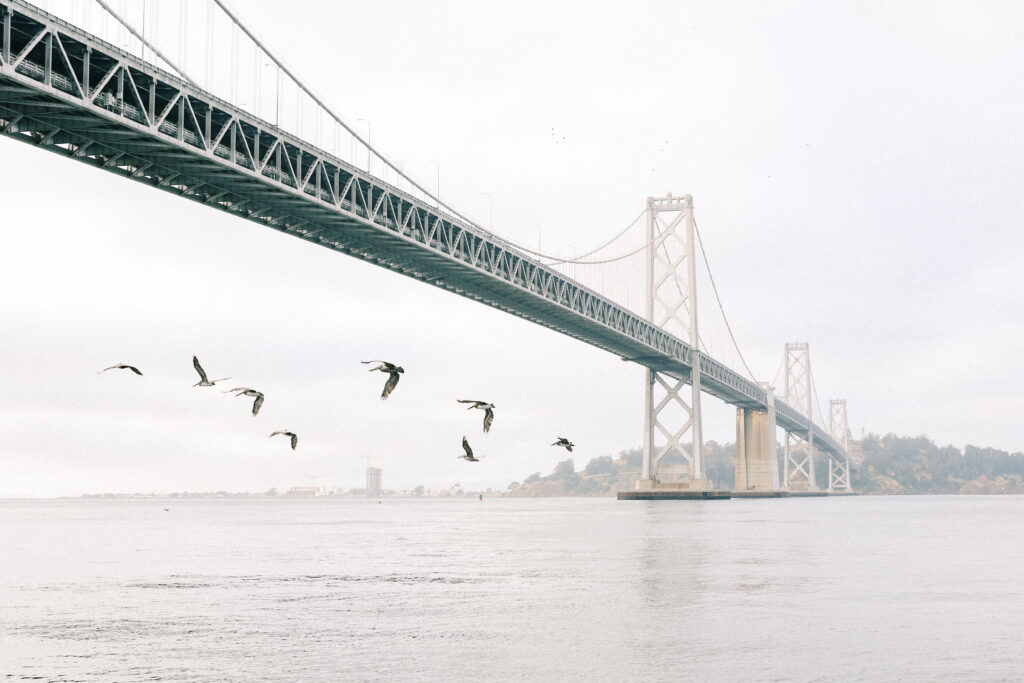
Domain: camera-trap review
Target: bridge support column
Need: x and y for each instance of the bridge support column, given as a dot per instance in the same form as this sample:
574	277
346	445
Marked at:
772	432
799	457
667	419
839	467
670	411
798	452
755	451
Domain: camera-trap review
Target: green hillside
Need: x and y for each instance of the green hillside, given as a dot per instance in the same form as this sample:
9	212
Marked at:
881	464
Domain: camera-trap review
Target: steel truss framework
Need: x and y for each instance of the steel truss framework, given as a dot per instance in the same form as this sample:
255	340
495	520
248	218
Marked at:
671	306
798	452
68	92
839	467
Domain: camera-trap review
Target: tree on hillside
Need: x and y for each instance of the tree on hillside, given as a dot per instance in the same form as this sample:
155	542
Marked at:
565	472
899	464
602	465
631	457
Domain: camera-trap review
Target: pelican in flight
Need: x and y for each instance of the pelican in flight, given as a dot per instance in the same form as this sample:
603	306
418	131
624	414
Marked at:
562	441
120	366
488	409
393	372
469	452
295	439
246	391
203	382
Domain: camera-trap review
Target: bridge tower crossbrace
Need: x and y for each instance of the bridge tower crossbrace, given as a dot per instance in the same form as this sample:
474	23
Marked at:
839	468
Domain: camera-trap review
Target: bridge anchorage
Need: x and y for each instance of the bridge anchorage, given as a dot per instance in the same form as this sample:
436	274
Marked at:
67	91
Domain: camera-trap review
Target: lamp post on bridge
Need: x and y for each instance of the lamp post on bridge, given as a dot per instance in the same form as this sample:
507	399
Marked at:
490	204
369	141
437	191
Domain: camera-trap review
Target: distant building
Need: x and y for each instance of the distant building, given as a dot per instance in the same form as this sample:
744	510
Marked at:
373	482
305	491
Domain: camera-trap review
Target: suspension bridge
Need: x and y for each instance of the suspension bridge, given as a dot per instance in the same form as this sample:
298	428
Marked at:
111	84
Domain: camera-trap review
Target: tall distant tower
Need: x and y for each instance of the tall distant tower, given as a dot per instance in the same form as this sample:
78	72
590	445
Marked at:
373	479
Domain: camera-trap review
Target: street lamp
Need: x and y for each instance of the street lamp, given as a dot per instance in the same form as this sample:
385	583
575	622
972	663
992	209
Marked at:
437	193
369	140
490	204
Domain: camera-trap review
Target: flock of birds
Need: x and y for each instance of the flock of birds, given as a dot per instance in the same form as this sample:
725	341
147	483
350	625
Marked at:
393	372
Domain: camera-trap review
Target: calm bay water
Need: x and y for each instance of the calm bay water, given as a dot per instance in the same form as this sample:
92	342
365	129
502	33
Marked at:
860	588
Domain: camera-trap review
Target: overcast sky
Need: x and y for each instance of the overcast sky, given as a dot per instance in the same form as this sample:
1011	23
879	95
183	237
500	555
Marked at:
856	171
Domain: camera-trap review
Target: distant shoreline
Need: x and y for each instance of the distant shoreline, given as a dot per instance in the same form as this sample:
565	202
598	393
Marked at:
165	497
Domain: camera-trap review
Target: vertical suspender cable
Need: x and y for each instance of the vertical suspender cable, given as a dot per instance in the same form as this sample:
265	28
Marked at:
121	20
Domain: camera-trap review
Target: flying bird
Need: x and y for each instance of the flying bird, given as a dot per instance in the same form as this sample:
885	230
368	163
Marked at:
246	391
393	372
488	409
120	366
295	439
562	441
203	381
469	452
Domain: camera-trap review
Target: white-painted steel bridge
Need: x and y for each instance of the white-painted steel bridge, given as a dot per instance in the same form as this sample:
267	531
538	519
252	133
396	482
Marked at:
67	91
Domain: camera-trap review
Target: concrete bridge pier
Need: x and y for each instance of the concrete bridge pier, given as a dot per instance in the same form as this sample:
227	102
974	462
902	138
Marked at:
756	461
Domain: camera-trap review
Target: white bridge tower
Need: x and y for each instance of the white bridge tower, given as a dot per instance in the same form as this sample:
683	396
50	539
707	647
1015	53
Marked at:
670	412
839	469
798	452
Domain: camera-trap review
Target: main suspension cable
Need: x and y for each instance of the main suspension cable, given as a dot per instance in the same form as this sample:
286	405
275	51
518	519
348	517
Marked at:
131	29
576	259
720	307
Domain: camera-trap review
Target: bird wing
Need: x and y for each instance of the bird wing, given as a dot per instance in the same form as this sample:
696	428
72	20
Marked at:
256	404
105	369
465	447
475	403
390	385
280	431
569	446
134	369
295	441
488	419
199	369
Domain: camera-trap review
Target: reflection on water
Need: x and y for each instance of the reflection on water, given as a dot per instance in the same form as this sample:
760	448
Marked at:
866	588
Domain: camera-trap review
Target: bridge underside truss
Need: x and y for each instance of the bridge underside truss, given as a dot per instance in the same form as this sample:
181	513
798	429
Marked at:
70	93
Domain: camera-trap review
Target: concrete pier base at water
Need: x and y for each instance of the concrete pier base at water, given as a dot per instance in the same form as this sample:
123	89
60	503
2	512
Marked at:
678	494
693	489
755	451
